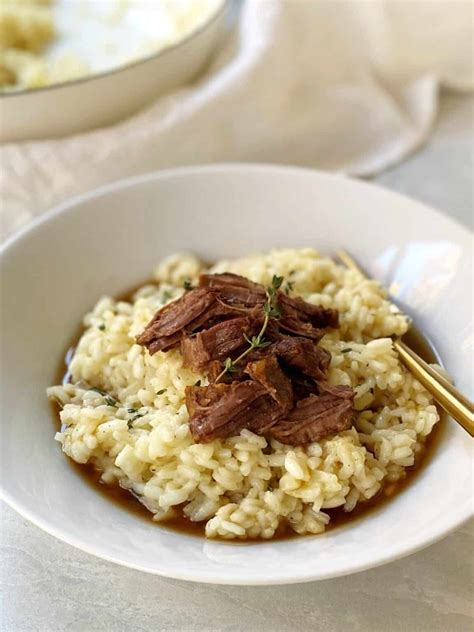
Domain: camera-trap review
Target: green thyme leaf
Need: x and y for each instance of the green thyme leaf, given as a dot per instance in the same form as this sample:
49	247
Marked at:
160	392
187	284
277	281
289	287
275	311
102	327
346	350
229	366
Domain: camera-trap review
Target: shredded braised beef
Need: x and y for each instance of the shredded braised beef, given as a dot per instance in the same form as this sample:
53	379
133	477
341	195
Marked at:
234	289
173	321
303	355
316	417
278	388
269	374
300	318
218	342
223	410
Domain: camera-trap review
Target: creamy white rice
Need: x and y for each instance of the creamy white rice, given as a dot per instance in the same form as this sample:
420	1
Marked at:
245	486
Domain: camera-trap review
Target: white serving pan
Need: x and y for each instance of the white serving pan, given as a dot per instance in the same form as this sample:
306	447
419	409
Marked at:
107	97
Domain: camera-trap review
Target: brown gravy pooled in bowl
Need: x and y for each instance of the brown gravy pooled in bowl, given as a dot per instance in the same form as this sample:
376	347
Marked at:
182	524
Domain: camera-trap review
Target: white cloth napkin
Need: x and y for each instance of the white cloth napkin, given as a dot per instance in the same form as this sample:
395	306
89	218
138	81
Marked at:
341	85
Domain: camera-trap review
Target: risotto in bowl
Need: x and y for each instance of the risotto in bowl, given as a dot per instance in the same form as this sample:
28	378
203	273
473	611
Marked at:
248	392
130	413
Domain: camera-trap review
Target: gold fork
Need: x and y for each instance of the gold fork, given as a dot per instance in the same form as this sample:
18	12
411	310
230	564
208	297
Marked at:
460	408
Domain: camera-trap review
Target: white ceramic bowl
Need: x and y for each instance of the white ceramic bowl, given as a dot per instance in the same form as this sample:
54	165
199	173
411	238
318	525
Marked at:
110	239
110	96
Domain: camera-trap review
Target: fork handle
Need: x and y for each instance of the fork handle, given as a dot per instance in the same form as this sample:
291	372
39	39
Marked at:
447	395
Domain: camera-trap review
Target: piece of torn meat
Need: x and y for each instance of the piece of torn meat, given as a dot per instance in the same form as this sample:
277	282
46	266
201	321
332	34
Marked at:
168	324
300	318
303	386
317	315
303	355
195	310
337	391
218	342
316	417
234	289
219	411
268	373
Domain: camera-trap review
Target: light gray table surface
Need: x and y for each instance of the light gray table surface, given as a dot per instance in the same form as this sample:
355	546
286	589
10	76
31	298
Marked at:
50	586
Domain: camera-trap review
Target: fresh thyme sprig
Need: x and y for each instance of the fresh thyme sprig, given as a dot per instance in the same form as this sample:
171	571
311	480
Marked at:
271	309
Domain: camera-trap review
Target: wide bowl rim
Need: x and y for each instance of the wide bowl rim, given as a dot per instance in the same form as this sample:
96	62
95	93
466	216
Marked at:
70	206
213	17
163	174
301	578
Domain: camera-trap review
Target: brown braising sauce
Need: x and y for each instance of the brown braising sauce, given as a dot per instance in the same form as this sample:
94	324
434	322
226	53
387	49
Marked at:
339	517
